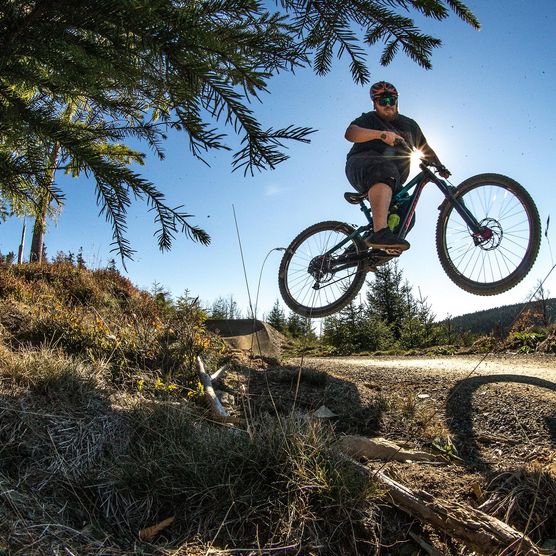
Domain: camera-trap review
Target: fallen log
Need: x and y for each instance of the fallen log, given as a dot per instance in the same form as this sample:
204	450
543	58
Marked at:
474	528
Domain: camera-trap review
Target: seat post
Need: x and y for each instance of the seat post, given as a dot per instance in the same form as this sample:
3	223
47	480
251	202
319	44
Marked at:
366	211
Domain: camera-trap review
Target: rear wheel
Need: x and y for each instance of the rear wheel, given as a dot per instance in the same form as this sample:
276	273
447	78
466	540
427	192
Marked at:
315	282
502	256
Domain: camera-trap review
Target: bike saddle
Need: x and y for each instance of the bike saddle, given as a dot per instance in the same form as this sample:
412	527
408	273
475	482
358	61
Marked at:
354	198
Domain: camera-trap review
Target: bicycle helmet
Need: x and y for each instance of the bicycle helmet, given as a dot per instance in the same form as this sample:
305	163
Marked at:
382	88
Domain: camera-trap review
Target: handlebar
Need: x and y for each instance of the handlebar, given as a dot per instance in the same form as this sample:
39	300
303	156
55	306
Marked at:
401	143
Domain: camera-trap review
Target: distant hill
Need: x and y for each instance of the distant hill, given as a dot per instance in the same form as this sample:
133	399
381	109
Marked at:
501	318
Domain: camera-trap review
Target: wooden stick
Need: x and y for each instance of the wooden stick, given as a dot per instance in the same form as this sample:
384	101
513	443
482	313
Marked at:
425	545
216	406
382	449
478	530
216	374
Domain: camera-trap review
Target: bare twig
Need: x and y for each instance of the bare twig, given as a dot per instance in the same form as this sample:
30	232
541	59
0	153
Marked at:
215	404
425	545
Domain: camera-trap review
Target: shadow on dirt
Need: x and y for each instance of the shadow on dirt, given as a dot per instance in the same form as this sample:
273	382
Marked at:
463	404
279	390
503	426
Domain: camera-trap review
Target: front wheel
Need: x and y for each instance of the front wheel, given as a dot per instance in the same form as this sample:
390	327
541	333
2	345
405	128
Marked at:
316	278
505	251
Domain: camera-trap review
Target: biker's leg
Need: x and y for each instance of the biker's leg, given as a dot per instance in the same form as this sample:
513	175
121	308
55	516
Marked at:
380	196
362	170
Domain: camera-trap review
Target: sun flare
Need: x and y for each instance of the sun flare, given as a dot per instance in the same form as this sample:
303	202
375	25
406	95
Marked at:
416	156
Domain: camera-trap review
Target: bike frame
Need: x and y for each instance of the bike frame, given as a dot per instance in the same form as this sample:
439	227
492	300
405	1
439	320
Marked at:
403	196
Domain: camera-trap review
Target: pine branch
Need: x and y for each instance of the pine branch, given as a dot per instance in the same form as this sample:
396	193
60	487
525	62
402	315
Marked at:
464	13
136	69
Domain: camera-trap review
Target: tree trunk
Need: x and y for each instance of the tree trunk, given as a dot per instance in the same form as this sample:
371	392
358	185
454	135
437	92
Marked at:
39	227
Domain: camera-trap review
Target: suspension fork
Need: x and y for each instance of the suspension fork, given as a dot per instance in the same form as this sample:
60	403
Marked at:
479	232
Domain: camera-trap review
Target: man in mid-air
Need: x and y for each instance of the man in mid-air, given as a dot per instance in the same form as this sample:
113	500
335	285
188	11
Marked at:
376	165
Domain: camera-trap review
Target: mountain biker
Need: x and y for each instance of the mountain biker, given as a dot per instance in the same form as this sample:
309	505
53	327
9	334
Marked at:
377	166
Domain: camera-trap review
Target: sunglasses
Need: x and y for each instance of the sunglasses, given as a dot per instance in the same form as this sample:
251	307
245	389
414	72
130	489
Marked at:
387	101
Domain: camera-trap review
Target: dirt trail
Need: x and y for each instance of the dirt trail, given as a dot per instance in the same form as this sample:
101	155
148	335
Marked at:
539	366
496	416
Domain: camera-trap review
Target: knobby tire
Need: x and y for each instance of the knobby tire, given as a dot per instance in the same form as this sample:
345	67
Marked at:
296	283
500	264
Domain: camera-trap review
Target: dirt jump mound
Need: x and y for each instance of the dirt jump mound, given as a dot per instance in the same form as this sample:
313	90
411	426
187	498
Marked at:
249	335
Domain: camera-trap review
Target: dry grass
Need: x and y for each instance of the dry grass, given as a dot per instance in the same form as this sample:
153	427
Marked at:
88	458
525	497
85	467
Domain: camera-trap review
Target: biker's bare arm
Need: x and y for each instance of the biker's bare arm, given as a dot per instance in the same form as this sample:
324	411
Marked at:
357	134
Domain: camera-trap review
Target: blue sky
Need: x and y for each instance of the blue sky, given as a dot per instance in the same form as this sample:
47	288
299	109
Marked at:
486	106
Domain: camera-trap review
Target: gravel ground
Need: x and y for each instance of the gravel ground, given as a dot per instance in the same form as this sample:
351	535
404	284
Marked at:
537	365
496	415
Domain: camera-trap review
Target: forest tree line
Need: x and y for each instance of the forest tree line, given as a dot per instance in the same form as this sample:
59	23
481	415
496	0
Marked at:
392	316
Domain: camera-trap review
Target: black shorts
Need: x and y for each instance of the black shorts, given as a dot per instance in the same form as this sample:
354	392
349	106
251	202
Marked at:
363	171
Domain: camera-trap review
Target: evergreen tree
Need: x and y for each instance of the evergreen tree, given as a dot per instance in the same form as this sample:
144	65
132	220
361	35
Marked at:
344	331
80	259
418	327
7	259
298	326
277	317
46	204
142	68
225	308
389	297
355	329
59	258
161	296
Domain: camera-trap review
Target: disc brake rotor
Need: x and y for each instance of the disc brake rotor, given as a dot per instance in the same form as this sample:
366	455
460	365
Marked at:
490	236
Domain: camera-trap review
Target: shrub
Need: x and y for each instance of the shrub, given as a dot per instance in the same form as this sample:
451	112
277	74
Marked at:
100	316
524	341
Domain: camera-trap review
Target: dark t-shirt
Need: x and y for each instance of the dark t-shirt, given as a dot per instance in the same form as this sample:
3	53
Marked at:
402	125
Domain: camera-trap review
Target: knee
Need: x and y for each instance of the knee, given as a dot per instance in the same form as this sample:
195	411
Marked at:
382	188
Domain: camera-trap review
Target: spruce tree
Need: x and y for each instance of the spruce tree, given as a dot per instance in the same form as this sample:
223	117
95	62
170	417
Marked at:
225	308
298	326
277	317
389	297
139	69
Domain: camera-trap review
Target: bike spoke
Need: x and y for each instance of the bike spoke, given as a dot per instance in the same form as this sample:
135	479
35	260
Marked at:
494	258
312	280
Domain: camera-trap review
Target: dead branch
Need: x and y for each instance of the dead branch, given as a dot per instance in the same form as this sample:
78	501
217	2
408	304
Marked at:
424	545
382	449
474	528
216	406
219	372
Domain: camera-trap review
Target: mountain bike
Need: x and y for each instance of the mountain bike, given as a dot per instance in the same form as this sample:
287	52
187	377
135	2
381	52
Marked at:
487	239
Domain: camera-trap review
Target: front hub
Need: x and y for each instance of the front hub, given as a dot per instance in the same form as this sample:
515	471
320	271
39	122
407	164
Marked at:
490	236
